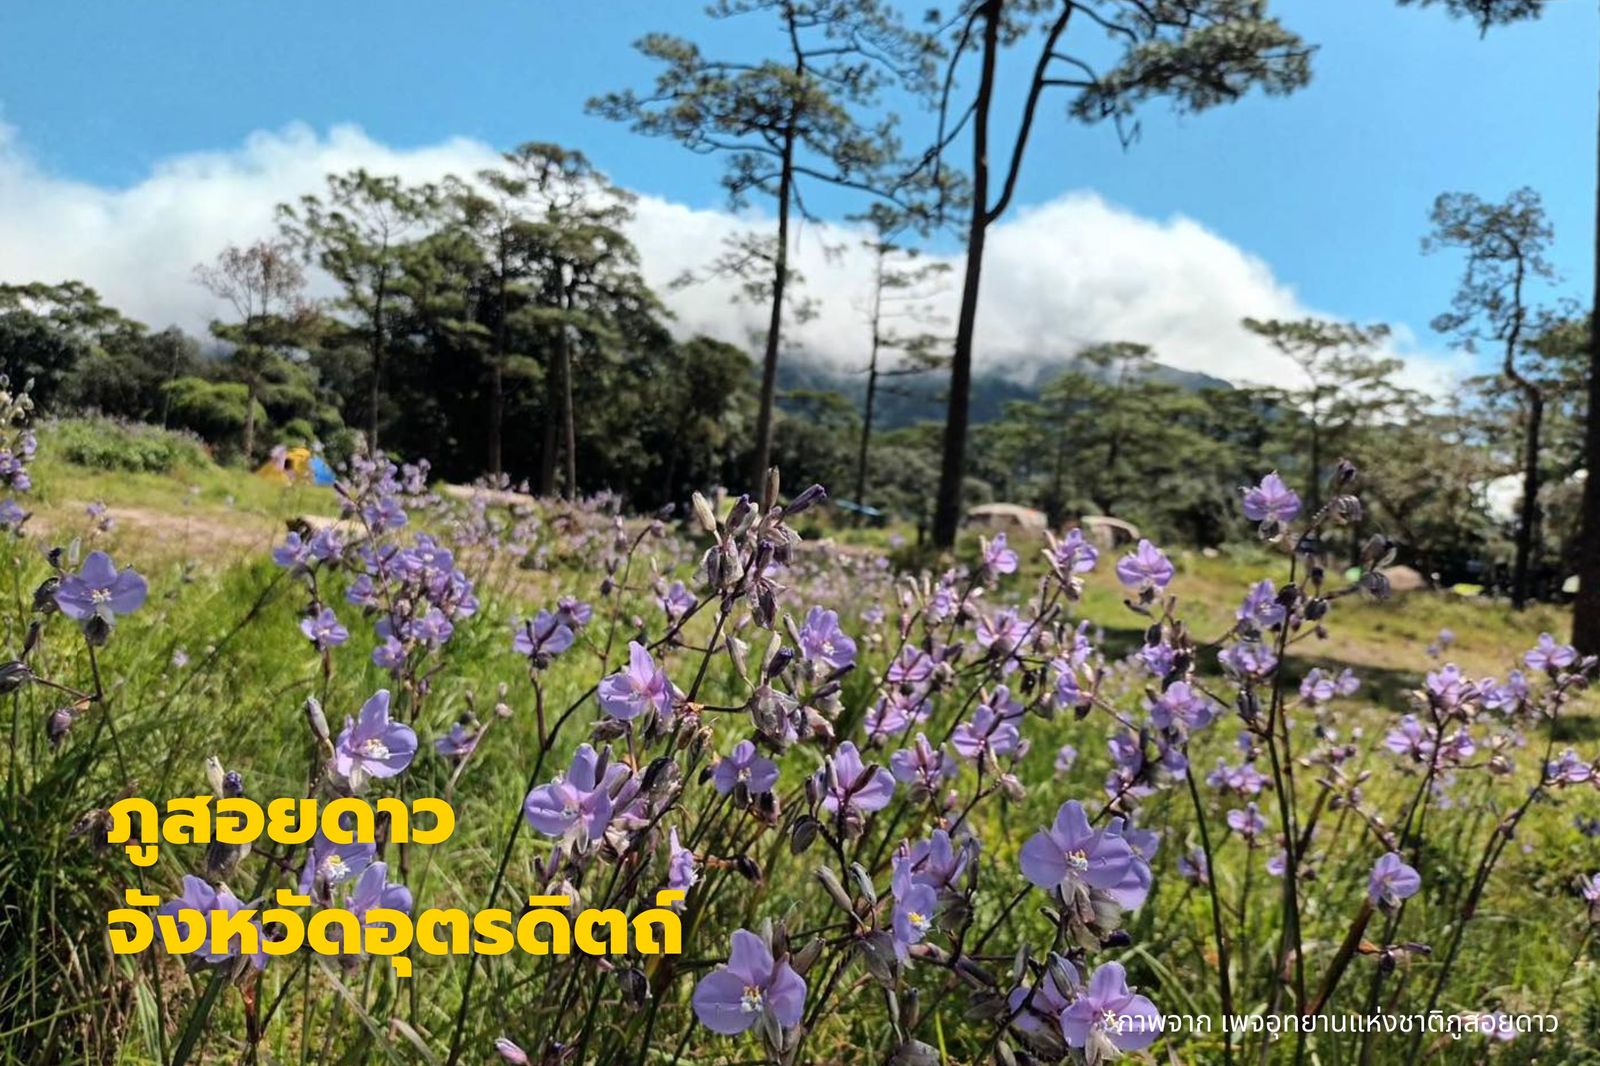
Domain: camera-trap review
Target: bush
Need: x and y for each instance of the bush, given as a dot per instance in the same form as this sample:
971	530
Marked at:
108	444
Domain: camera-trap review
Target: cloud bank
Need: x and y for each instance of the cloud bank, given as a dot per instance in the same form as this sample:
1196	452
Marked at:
1060	275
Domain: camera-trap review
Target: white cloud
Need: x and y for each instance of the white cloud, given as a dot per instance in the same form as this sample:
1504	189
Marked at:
1057	276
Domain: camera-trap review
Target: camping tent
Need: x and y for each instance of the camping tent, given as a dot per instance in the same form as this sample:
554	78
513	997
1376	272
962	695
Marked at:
296	466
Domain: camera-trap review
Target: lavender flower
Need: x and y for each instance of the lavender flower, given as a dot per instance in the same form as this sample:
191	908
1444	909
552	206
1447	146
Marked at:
542	638
744	765
751	988
1071	856
822	641
1066	758
1108	1018
997	558
1248	822
323	629
1072	554
578	804
1548	655
1180	707
922	765
100	591
1271	503
682	870
574	613
914	906
641	687
850	787
1392	881
1144	569
1038	1011
371	745
199	896
459	743
510	1052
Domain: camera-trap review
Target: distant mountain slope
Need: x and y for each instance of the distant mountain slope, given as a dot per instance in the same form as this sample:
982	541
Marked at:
904	401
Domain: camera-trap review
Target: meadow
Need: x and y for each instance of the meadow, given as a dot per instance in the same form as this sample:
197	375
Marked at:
1183	730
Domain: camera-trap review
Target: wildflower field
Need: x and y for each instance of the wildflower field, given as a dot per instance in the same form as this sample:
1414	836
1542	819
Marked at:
1037	805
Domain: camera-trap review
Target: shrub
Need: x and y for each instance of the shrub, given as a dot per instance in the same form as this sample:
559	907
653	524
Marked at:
109	444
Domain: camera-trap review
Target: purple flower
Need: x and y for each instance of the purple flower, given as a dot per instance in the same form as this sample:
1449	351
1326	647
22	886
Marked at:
326	545
851	787
1447	689
641	687
937	862
199	896
1193	867
1072	554
1508	697
914	906
1248	660
293	553
991	728
458	743
1271	501
676	601
579	803
574	613
373	890
1261	609
997	558
896	712
1159	659
1546	655
744	764
323	629
390	654
1410	739
1244	779
329	865
100	591
824	643
682	871
733	998
922	764
1568	769
1392	881
1066	756
371	745
1145	568
434	627
1247	822
913	667
1044	1004
543	638
510	1052
1003	632
1180	707
1108	1018
1070	855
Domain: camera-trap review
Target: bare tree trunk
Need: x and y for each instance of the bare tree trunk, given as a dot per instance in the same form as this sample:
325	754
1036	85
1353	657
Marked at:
376	394
872	389
569	489
952	469
249	420
1528	520
497	386
769	363
1586	608
547	451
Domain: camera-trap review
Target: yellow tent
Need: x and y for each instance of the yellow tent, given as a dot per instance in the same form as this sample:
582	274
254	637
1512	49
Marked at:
293	464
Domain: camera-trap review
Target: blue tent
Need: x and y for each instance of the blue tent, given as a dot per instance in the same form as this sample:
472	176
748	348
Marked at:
321	472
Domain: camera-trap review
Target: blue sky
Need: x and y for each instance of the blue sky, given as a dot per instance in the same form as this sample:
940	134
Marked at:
1330	187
